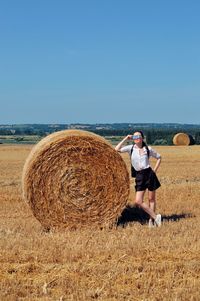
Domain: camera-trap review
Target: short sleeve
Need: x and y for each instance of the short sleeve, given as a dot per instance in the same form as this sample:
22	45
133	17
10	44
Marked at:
126	149
154	153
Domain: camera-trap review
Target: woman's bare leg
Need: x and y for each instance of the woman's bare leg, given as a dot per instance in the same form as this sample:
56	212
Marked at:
152	200
139	202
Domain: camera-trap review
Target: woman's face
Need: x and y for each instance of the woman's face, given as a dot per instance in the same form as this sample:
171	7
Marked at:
137	137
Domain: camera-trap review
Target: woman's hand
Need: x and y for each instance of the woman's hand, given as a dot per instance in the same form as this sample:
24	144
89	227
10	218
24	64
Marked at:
119	145
129	137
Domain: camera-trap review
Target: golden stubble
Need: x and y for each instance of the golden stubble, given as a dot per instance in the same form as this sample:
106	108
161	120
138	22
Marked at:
130	262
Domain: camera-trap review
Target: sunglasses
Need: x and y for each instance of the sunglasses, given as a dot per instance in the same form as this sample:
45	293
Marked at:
135	137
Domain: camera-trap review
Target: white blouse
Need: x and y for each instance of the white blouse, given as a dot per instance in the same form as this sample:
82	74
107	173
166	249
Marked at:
140	161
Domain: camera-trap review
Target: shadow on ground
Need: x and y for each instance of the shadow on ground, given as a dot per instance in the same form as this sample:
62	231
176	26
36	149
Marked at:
135	214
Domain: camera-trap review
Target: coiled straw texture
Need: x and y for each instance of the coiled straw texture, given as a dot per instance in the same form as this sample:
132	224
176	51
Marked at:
181	139
73	179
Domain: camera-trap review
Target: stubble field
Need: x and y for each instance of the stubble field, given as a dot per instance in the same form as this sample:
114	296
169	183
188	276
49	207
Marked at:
128	262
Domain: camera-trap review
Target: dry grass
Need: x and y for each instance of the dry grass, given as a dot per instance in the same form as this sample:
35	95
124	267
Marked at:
124	263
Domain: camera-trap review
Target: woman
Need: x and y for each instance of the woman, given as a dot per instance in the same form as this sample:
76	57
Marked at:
145	178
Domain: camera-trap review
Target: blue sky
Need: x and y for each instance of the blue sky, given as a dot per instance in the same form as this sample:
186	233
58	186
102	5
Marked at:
99	61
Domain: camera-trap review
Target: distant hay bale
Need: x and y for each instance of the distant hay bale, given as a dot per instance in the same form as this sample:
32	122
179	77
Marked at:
182	139
74	178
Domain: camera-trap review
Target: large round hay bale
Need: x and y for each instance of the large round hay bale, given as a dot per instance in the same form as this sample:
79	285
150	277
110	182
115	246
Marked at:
75	178
181	139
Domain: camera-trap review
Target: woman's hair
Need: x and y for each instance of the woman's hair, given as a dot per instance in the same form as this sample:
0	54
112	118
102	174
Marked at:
144	144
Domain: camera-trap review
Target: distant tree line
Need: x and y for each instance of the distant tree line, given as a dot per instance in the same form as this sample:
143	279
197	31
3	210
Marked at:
154	136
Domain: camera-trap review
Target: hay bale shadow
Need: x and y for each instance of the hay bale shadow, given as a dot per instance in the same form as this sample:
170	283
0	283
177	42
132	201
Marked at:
135	214
132	214
176	217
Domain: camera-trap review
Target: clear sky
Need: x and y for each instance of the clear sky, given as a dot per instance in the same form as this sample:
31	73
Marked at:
99	61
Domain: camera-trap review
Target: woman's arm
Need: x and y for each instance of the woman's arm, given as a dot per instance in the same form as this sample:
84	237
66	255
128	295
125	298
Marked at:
119	145
157	156
157	165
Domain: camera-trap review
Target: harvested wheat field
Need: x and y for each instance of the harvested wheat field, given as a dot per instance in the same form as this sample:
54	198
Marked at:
126	262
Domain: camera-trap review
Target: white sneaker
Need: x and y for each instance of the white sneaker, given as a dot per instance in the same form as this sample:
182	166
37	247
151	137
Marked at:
158	220
151	223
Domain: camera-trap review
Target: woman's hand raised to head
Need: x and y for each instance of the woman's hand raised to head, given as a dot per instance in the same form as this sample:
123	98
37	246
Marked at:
129	137
120	144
